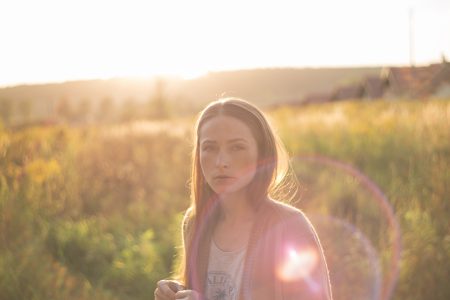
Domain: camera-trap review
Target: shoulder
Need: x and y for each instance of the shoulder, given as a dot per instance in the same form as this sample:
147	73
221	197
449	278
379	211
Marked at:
282	208
289	222
284	214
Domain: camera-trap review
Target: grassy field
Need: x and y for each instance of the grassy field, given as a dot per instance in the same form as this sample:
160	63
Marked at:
94	212
404	148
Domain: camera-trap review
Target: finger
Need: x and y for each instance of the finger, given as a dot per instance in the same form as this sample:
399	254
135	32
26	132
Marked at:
163	286
175	286
160	296
186	294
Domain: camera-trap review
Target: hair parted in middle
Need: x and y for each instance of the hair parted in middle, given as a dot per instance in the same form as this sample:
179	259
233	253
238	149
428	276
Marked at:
272	178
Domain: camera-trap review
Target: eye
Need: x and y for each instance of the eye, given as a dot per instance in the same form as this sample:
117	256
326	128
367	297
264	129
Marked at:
237	147
208	148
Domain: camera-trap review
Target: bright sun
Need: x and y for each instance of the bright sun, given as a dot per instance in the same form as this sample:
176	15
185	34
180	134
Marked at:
56	40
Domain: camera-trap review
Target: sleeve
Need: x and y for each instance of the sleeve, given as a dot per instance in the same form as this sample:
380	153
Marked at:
301	265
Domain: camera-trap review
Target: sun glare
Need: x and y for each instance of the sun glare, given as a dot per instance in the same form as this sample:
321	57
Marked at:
104	39
298	264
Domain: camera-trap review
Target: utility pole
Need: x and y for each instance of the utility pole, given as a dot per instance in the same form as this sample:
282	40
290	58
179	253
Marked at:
411	37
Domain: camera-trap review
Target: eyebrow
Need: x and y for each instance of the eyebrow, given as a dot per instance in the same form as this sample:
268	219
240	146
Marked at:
228	142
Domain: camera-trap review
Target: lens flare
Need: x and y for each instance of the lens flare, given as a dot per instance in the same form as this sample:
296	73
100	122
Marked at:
297	264
391	274
368	277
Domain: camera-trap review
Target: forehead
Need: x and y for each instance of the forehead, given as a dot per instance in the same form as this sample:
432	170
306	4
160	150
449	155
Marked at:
223	128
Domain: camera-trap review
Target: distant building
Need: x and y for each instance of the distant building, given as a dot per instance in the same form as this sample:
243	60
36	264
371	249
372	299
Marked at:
394	83
417	82
355	91
316	98
439	85
374	88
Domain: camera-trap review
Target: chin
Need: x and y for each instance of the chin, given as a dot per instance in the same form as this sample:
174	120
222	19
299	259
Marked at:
228	189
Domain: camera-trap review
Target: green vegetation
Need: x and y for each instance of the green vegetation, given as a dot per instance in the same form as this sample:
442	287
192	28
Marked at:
94	212
404	147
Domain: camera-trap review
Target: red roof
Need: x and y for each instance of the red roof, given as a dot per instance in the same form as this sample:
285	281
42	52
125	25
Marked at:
411	80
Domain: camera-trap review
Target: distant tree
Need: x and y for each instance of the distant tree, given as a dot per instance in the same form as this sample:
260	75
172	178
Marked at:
158	106
6	110
129	110
105	110
25	108
83	110
64	109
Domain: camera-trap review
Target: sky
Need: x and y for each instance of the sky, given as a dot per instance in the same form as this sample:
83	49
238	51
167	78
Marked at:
60	40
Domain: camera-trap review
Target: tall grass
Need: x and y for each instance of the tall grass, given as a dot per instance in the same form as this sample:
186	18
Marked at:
404	147
94	213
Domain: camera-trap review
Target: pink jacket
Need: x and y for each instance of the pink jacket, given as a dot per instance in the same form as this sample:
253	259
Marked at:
284	258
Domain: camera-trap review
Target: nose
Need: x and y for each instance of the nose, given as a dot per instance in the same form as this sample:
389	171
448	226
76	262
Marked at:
222	160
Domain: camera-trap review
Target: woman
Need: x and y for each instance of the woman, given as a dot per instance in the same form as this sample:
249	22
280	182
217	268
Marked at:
239	243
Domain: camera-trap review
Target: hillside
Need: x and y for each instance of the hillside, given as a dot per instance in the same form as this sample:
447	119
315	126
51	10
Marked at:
261	86
270	86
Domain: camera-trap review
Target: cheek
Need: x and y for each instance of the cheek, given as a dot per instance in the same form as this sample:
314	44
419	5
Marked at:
247	161
206	161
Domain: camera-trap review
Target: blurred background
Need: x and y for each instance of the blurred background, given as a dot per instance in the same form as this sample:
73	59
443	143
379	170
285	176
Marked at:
97	105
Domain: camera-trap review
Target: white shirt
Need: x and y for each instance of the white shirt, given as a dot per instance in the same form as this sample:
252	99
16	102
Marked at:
224	273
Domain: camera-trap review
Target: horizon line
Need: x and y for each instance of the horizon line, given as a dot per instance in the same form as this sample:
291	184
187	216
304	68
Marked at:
7	85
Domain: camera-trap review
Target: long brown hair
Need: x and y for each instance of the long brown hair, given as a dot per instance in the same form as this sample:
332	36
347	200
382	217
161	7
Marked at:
269	180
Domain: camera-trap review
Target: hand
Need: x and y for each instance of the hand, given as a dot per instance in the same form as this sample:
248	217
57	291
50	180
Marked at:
187	295
167	289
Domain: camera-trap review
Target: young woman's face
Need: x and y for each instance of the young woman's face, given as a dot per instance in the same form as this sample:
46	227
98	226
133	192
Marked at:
228	154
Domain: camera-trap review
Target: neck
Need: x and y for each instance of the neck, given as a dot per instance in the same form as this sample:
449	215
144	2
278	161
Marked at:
236	208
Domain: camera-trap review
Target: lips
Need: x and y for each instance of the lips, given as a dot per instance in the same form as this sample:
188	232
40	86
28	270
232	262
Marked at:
222	177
